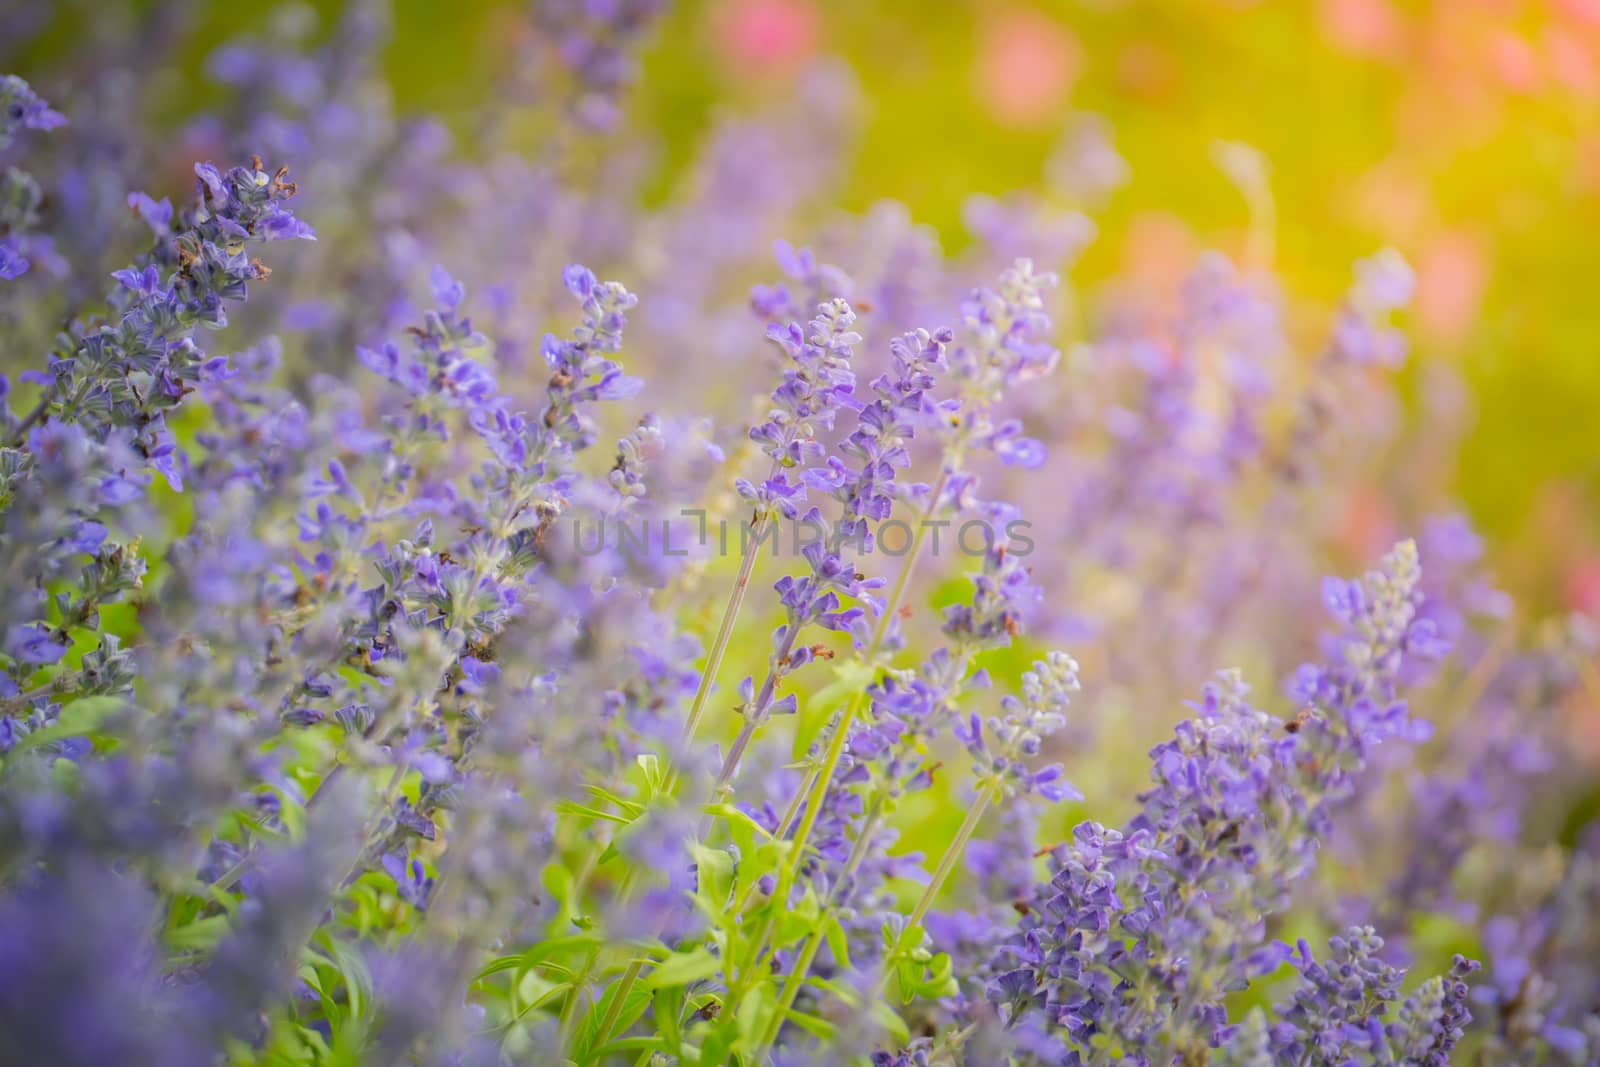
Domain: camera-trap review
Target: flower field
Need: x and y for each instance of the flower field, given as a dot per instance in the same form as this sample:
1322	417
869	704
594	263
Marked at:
549	539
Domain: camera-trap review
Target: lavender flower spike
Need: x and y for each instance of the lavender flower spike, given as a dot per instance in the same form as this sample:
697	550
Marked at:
20	196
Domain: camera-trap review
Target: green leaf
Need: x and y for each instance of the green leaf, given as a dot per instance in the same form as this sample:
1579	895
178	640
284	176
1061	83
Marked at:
569	807
558	882
797	921
627	807
500	966
538	954
735	815
790	928
848	996
651	1043
668	1006
651	766
838	943
638	1000
751	1014
87	714
532	990
850	676
684	968
201	935
77	719
926	978
905	975
812	1025
714	868
716	1049
353	969
765	858
891	1022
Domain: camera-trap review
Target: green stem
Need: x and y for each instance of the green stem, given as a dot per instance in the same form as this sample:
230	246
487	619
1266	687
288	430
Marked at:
719	647
730	762
730	614
748	964
624	986
232	875
59	685
824	777
791	989
569	1008
858	851
952	856
808	952
624	891
809	789
793	811
830	762
785	824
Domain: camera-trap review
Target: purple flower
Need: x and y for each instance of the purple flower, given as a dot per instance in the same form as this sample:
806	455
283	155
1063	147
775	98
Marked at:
23	109
144	284
156	214
1017	734
13	264
21	199
1384	284
33	644
817	383
1239	805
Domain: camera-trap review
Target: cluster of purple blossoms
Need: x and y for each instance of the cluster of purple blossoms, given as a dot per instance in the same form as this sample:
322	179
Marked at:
1008	346
100	424
911	709
817	382
863	476
1143	931
850	793
891	755
1018	733
1339	1012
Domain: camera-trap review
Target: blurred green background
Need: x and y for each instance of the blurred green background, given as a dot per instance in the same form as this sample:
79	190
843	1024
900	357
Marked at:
1464	132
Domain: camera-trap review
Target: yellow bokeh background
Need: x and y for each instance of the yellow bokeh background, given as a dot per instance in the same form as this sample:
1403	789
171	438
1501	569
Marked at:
1466	133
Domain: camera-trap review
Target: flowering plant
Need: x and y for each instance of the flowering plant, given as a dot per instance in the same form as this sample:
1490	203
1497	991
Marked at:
397	687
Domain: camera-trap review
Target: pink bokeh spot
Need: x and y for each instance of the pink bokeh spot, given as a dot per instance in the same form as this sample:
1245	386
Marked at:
1451	279
1580	10
1583	587
1586	169
1364	27
1516	62
771	36
1157	256
1391	198
1147	69
1367	527
1026	64
1572	63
